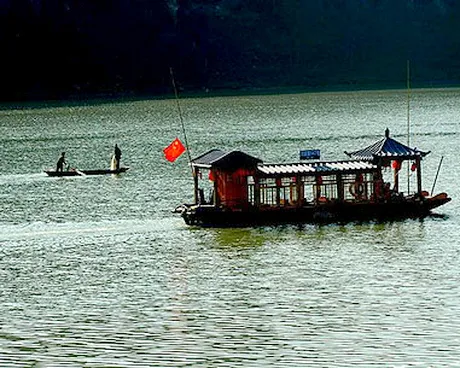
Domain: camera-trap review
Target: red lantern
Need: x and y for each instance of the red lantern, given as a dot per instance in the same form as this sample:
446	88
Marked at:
396	165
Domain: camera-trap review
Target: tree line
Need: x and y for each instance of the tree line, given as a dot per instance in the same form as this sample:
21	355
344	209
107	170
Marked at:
69	48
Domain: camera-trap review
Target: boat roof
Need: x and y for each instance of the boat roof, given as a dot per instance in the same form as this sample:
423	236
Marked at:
317	168
219	159
387	148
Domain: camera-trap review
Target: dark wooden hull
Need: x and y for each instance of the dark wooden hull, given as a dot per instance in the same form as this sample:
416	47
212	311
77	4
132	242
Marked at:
85	172
339	212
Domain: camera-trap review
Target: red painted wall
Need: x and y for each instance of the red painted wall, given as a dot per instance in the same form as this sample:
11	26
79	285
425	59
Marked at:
232	188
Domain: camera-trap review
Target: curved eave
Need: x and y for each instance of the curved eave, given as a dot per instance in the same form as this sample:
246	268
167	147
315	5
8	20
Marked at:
201	166
401	156
387	155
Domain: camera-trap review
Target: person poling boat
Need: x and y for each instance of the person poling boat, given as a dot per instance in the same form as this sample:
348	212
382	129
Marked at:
61	162
115	163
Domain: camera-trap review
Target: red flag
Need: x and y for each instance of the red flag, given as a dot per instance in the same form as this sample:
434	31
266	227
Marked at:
174	150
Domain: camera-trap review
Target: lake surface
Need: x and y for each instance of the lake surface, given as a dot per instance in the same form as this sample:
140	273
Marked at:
97	271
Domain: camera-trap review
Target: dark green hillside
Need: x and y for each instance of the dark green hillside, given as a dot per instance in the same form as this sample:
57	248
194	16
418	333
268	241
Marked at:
68	48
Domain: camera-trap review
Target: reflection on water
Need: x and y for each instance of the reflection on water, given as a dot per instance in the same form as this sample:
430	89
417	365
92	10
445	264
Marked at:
236	238
97	271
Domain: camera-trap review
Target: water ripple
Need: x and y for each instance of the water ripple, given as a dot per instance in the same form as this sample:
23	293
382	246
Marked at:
97	272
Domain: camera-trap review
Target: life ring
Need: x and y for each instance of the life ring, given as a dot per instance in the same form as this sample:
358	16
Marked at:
356	189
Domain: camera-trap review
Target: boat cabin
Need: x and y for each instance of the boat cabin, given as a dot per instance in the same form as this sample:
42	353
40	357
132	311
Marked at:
229	172
238	181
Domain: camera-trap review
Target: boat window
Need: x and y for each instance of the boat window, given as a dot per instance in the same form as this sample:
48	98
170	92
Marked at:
308	189
327	187
251	193
288	191
268	191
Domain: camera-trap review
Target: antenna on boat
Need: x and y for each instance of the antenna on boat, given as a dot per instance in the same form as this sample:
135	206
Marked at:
408	121
180	116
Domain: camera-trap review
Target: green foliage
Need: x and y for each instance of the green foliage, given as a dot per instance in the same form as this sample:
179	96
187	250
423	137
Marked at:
56	49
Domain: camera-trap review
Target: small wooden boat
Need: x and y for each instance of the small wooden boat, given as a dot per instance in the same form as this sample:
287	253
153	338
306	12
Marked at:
76	172
245	191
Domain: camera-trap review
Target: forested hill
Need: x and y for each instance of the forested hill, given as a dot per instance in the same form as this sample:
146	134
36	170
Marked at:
65	48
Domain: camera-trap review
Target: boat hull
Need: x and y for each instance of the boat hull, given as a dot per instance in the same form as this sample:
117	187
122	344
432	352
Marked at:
339	212
85	172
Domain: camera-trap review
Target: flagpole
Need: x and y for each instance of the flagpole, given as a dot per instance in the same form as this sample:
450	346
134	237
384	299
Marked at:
194	173
180	116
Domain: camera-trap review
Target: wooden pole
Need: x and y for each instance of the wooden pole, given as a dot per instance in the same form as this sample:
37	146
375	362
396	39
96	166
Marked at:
418	162
195	184
436	177
299	187
396	181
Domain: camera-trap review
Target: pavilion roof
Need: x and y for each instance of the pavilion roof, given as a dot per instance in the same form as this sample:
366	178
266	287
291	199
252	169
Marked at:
388	148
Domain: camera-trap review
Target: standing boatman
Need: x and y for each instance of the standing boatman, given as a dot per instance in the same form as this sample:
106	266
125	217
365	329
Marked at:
61	162
117	156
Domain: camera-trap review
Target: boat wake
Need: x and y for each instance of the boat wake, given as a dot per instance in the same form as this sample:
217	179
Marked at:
38	230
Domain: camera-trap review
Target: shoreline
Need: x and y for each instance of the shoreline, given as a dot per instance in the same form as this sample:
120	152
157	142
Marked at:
105	98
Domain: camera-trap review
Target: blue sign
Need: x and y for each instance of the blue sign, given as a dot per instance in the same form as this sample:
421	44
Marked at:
310	154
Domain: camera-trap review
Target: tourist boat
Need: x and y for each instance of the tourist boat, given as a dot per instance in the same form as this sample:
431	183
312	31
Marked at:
76	172
244	191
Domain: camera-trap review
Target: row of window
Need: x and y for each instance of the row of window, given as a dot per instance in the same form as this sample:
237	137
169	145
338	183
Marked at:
284	191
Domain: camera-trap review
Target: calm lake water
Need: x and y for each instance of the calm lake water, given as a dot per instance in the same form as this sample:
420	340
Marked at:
97	271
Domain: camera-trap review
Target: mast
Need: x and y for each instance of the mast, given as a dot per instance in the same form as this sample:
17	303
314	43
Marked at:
194	173
408	122
180	115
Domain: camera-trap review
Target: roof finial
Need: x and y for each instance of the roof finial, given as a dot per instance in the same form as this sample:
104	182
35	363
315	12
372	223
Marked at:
387	132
